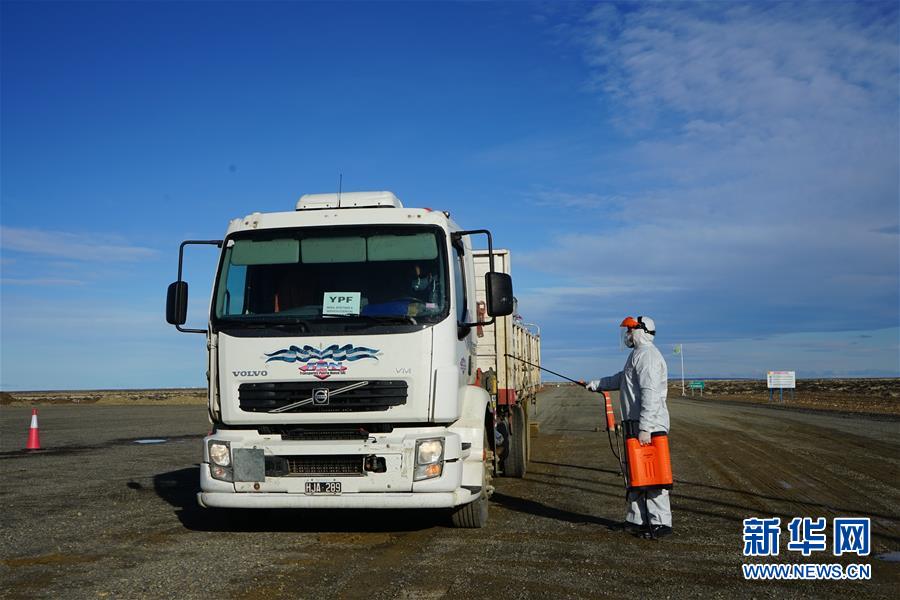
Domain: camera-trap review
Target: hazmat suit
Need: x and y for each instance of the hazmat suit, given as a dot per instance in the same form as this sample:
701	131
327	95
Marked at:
643	386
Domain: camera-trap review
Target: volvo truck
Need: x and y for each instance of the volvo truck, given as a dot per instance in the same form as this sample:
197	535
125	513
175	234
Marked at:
342	347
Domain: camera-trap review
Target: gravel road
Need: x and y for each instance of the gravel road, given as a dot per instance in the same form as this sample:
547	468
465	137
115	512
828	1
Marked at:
97	515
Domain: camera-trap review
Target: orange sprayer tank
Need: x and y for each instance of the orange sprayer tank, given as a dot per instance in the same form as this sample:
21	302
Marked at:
649	467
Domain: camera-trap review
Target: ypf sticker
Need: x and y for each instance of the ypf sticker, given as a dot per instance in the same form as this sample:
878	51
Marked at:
340	303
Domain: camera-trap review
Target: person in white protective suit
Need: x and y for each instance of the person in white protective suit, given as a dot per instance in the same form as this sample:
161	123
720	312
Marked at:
642	385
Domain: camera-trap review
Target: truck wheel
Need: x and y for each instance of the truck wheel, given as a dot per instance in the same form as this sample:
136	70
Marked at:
474	515
518	432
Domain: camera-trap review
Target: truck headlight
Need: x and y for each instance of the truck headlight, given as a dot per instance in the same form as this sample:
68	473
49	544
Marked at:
429	451
220	453
429	459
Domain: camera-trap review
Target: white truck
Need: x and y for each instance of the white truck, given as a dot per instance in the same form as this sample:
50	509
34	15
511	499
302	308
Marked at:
342	360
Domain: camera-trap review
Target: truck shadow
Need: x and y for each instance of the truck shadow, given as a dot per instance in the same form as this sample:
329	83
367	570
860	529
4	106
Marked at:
179	489
713	499
542	510
705	504
596	469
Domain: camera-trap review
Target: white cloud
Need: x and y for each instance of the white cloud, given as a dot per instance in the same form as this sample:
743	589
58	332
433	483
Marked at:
754	197
745	61
765	147
92	247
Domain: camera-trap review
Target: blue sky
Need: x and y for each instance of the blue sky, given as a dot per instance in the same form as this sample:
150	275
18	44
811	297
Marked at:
729	169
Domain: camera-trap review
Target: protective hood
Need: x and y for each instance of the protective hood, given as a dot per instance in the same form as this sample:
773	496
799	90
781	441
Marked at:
641	338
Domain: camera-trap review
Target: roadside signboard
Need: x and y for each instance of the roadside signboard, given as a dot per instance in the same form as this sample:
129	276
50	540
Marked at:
695	385
781	379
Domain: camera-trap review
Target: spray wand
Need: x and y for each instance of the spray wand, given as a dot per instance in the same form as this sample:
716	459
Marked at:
610	415
581	383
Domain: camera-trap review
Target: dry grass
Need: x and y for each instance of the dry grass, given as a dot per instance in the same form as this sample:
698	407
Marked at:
875	396
165	397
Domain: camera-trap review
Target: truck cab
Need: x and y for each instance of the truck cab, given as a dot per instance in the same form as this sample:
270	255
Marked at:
341	360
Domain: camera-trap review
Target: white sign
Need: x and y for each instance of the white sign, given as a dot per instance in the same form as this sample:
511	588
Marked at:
781	379
340	303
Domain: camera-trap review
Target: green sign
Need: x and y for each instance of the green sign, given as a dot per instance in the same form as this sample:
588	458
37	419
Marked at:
696	385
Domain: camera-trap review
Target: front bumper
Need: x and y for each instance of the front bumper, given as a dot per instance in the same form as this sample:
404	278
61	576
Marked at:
370	500
393	488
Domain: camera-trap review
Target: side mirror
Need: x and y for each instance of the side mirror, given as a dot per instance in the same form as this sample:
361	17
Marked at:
500	301
176	303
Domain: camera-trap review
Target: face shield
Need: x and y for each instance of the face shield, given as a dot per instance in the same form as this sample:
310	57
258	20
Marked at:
626	338
626	333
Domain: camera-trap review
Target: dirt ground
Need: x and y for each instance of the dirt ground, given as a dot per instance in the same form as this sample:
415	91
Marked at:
99	515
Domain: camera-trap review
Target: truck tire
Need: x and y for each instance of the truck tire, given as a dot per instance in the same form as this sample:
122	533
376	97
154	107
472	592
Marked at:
474	515
516	457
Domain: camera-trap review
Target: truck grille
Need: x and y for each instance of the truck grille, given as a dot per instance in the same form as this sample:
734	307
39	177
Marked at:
322	396
325	432
281	466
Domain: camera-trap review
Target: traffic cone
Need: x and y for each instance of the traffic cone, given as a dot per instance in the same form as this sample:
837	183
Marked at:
34	436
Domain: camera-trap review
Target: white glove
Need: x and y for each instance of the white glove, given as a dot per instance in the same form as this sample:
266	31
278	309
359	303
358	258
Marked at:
644	438
594	385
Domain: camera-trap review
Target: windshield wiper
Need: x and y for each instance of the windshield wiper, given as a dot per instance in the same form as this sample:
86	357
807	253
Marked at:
269	323
372	320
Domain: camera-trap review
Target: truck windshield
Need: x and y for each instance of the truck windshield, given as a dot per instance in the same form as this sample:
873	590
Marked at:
327	277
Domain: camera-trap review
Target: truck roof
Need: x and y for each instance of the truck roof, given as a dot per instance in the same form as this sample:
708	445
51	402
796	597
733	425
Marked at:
349	200
349	208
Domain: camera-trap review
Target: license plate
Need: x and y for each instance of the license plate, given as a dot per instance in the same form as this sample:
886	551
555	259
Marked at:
323	488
